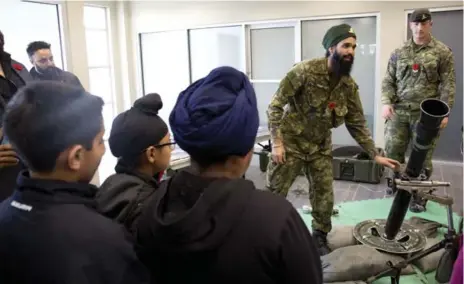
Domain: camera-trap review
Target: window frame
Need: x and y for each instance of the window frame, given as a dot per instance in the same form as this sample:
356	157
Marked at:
110	66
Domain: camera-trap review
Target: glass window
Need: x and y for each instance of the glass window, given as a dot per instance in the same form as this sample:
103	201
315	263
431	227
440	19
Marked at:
39	22
215	47
107	164
364	66
272	55
101	83
100	67
165	65
100	75
264	93
272	52
94	17
108	116
97	48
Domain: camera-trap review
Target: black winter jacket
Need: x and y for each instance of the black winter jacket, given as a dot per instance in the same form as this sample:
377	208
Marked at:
51	233
197	230
16	76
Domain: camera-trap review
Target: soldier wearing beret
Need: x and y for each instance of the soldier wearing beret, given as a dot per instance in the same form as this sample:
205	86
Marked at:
314	97
422	68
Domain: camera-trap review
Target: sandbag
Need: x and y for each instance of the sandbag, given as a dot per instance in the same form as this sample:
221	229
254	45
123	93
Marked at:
341	236
358	262
428	227
430	262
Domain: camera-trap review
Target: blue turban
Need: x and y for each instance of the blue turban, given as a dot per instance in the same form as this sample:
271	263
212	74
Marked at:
216	116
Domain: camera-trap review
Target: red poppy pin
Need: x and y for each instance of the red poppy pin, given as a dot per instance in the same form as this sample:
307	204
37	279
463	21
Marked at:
332	105
415	67
18	67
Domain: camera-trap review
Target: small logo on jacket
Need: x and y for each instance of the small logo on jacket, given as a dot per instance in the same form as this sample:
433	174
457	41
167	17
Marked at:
21	206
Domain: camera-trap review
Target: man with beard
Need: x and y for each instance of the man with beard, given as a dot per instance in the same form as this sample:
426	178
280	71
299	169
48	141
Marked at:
315	96
41	57
422	68
13	76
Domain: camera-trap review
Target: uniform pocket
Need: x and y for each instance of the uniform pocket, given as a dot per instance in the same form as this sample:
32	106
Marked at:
317	95
431	71
339	116
292	124
402	68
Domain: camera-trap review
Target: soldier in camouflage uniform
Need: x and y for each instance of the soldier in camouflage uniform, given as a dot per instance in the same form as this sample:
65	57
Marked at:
315	96
422	68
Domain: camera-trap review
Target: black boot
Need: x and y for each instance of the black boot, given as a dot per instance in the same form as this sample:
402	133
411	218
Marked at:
391	191
320	238
418	204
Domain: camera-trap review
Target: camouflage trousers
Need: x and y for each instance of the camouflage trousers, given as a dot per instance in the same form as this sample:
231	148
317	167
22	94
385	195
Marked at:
318	171
400	130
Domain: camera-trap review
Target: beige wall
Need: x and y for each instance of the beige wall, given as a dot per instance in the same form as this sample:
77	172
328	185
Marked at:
75	47
158	16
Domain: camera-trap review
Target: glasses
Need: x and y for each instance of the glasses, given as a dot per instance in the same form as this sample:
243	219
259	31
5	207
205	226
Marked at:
171	145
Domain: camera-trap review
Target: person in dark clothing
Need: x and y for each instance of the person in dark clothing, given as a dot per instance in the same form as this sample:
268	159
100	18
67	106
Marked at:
141	141
207	224
13	76
41	56
50	231
10	166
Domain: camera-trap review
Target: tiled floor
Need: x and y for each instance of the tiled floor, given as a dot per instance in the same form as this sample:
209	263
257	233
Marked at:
347	191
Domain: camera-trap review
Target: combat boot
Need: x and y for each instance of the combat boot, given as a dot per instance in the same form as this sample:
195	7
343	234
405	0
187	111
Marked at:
320	239
418	204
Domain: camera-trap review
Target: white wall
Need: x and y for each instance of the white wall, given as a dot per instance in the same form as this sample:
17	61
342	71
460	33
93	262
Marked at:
158	16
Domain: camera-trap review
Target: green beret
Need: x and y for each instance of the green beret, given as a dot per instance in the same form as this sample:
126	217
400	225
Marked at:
420	15
336	34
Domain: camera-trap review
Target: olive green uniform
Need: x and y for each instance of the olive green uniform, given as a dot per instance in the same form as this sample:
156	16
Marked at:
301	114
415	73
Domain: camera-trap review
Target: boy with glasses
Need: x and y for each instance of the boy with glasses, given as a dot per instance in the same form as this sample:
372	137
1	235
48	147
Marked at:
141	141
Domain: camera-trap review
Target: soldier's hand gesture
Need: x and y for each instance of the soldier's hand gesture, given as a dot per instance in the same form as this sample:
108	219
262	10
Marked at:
387	162
278	153
387	111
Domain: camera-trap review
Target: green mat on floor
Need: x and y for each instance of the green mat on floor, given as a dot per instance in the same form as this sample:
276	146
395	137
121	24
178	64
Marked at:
351	213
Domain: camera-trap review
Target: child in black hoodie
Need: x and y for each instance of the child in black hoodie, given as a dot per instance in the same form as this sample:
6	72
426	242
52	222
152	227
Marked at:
141	141
207	224
50	231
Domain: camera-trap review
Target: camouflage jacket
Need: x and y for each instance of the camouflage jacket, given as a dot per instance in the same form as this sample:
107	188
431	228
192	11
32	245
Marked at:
416	73
304	110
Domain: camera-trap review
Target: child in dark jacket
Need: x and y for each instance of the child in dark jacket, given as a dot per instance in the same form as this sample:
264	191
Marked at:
206	224
141	141
50	231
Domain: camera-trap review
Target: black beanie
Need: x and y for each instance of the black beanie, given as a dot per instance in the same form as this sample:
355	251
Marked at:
336	34
138	128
